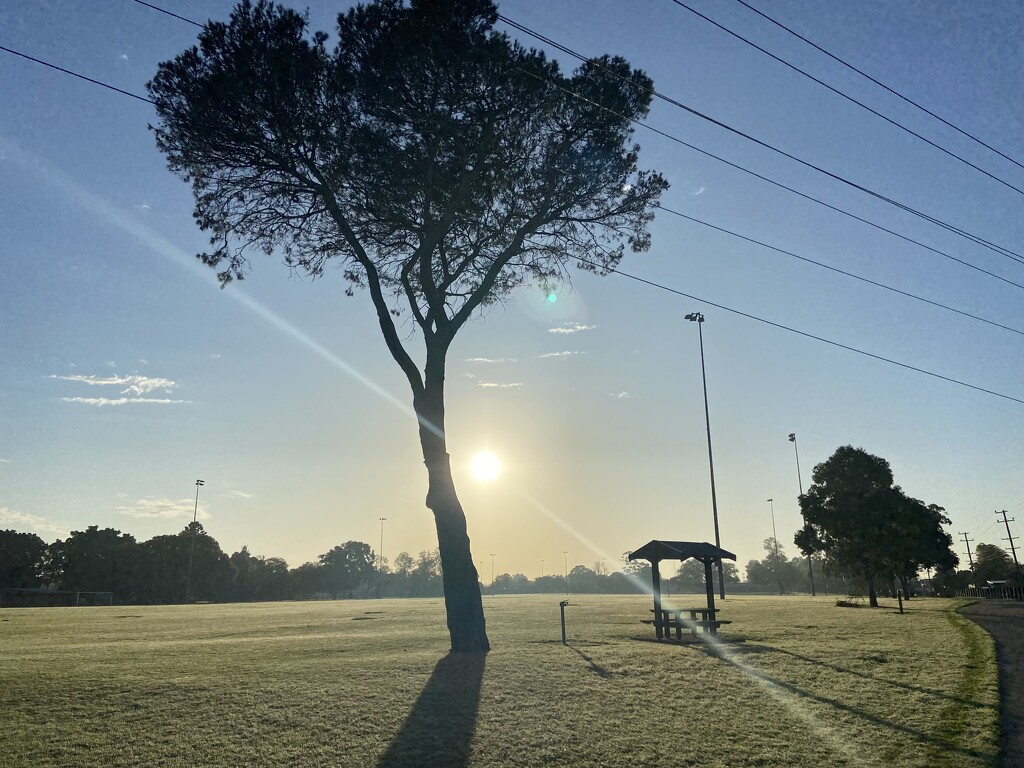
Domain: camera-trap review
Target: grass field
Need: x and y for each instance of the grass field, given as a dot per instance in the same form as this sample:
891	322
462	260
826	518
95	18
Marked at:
801	682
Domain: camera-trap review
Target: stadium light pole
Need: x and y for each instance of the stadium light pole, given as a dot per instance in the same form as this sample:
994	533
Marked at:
380	558
775	538
492	571
542	569
192	550
698	318
800	485
565	559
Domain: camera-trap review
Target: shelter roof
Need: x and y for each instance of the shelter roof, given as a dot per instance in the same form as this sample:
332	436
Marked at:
656	550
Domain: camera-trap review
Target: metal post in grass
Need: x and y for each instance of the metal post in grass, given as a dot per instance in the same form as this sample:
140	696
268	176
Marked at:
899	597
562	605
192	549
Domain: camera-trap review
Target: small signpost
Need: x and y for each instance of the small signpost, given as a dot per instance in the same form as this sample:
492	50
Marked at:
562	606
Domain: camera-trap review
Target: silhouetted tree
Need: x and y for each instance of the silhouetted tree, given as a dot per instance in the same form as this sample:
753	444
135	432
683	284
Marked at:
992	563
98	560
848	510
690	576
258	578
867	527
437	163
347	567
22	556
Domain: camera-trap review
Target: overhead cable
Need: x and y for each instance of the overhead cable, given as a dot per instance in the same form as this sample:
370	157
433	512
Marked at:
1002	250
846	96
879	83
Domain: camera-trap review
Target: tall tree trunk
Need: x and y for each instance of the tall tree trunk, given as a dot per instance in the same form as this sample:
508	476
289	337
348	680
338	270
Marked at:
462	599
872	593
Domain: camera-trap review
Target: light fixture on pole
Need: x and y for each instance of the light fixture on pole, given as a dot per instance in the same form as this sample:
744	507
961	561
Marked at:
800	484
192	549
380	558
698	318
775	538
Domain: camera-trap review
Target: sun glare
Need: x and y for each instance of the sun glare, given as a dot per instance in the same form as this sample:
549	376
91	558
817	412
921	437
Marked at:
485	466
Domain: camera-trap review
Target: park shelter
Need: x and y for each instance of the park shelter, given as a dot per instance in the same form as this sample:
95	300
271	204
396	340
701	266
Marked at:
656	551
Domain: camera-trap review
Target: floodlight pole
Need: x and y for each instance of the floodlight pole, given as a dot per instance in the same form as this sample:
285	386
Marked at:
192	550
698	318
565	557
800	485
380	558
775	538
492	572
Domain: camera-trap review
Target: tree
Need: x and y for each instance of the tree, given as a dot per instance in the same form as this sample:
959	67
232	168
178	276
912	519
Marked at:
436	162
868	527
992	563
690	576
347	567
98	560
21	559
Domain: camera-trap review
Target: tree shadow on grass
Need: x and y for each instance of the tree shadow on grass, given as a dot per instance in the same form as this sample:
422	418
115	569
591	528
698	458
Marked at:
937	742
439	730
875	678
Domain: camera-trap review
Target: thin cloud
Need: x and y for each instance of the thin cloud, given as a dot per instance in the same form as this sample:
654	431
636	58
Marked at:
566	353
5	461
102	402
36	522
491	360
236	495
571	328
134	385
162	508
698	192
619	395
496	385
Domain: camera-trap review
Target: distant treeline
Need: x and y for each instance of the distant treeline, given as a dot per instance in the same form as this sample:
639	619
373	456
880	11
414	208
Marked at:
157	571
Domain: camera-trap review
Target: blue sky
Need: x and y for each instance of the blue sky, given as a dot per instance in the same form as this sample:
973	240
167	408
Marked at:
128	373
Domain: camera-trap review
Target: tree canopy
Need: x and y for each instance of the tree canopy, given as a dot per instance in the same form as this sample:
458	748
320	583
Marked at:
868	527
432	160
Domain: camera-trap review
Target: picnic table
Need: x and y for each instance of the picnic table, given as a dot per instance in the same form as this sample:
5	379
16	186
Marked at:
673	618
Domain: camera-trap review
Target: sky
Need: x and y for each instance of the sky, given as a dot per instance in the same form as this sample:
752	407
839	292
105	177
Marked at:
128	373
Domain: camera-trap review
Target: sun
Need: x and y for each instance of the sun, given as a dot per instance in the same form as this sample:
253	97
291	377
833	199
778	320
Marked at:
485	466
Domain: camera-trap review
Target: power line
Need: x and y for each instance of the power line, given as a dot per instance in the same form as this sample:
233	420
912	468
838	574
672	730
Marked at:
674	291
170	13
1001	250
778	184
805	334
75	74
841	271
846	96
664	134
880	84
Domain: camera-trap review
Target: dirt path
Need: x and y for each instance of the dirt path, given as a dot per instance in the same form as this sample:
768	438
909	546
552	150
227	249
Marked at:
1004	620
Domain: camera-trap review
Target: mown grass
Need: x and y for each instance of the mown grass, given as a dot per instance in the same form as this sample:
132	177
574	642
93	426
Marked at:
799	682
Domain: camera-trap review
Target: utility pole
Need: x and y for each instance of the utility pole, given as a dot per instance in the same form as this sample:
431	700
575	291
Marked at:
1010	538
970	558
800	485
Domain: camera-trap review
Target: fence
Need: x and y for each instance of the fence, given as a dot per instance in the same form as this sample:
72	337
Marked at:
1000	592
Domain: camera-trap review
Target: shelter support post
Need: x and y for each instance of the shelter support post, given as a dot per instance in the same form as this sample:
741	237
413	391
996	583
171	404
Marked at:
656	590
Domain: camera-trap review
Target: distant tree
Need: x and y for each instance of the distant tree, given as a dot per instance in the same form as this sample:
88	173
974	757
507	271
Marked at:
867	527
690	576
347	567
992	563
437	163
425	578
307	581
22	556
258	578
98	560
165	570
